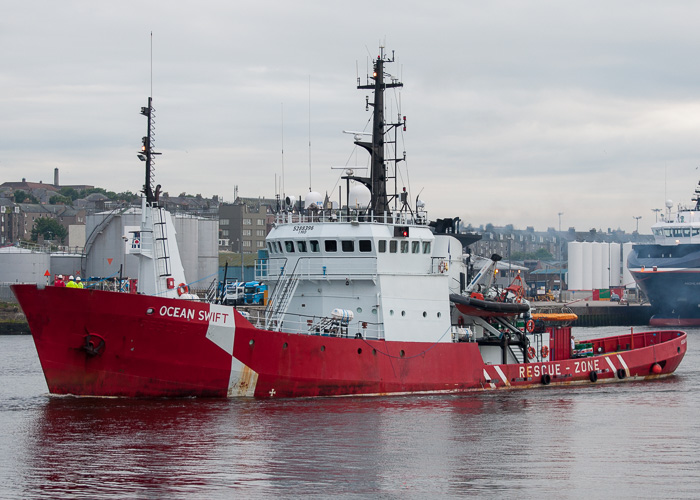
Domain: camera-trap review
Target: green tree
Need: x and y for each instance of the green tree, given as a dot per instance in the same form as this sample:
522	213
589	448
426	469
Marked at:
49	228
22	197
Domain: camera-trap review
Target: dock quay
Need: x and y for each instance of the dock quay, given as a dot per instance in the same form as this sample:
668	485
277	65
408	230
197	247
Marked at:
598	313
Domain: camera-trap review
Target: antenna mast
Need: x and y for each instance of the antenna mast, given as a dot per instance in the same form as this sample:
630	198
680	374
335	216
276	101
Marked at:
378	175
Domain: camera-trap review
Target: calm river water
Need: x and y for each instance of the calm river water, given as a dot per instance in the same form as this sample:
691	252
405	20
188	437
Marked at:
631	440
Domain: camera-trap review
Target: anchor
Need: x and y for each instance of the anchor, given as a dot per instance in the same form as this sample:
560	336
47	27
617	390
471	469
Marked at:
94	345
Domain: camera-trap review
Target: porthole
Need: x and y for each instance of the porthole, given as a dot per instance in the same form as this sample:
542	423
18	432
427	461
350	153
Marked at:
150	310
374	310
359	350
374	351
439	315
359	309
403	313
251	343
425	314
401	353
391	312
323	348
285	345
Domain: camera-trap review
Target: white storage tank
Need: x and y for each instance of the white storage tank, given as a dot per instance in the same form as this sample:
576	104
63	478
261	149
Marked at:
575	263
21	265
605	266
597	265
615	259
587	265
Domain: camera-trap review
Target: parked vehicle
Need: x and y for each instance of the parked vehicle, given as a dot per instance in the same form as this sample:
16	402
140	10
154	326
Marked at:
235	294
255	293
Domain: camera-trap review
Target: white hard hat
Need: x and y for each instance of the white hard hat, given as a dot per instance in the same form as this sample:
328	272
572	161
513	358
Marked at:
60	276
77	279
70	277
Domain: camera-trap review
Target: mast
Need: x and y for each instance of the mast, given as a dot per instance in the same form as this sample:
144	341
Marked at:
378	170
146	155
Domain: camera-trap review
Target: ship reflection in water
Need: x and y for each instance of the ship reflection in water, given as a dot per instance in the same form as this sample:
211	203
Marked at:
640	439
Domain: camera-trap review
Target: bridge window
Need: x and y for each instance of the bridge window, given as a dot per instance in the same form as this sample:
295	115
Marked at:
348	245
426	247
301	246
271	246
289	246
365	246
381	246
404	247
392	246
415	246
315	247
331	245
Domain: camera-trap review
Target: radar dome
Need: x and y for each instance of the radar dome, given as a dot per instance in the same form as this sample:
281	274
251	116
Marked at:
669	203
359	196
313	200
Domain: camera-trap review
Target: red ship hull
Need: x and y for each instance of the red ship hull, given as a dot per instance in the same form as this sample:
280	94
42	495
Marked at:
101	343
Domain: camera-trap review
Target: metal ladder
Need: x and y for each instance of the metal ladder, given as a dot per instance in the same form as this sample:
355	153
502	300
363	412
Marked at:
160	245
281	297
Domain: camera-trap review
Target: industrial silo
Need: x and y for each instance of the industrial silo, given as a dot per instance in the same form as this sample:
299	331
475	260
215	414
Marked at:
575	264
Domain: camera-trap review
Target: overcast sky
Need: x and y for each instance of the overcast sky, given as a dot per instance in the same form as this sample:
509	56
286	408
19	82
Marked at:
516	110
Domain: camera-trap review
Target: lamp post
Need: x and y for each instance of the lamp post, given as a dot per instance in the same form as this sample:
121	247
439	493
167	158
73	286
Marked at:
561	283
656	214
637	217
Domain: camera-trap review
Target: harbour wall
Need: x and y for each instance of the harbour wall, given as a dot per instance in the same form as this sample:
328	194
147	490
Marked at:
611	315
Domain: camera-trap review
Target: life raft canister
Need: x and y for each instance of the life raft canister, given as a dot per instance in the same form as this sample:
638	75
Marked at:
182	288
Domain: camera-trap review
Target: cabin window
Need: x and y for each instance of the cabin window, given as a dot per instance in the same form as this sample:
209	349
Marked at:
331	245
381	246
289	246
271	247
365	246
315	247
392	246
279	247
301	246
415	246
426	247
696	231
347	245
668	233
404	247
686	232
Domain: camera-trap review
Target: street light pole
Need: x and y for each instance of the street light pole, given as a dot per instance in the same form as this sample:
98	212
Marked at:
637	217
561	281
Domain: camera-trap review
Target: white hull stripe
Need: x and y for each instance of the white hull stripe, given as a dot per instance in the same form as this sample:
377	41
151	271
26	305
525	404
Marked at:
610	363
624	365
487	377
503	375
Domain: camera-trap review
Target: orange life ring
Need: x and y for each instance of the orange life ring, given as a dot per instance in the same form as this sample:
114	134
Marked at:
182	288
531	352
545	351
530	326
